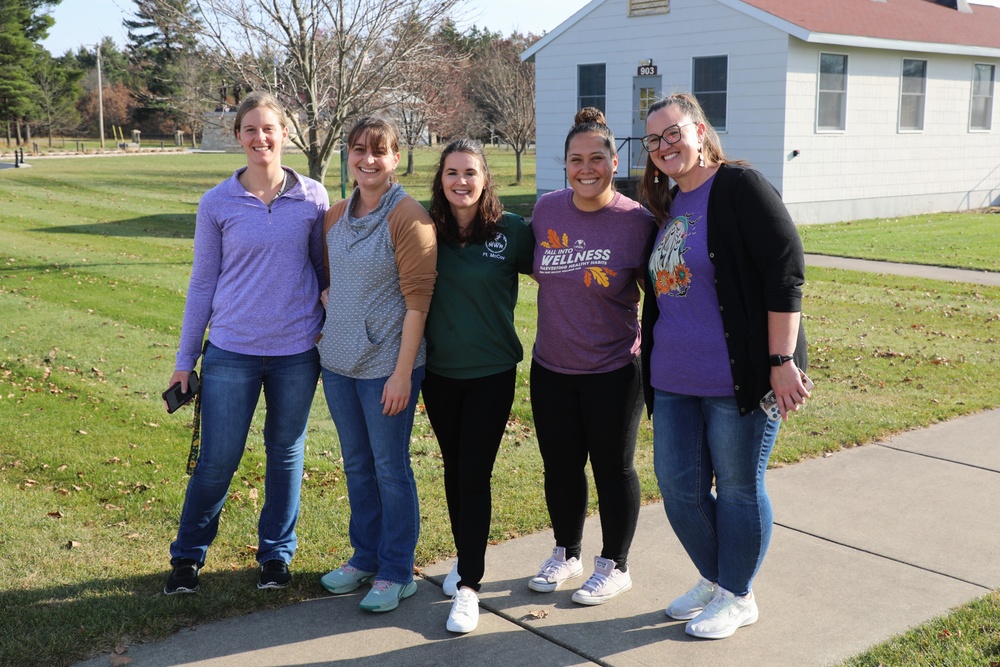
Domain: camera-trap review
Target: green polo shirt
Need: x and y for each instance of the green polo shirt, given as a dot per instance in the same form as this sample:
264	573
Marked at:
470	327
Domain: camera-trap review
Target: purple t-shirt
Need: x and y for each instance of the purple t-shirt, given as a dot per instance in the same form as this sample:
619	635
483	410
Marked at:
689	349
586	264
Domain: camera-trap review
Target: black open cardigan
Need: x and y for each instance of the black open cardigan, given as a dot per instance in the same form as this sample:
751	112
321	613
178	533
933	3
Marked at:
759	267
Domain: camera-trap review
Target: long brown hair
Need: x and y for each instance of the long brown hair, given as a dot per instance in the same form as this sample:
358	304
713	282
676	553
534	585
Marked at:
656	196
489	209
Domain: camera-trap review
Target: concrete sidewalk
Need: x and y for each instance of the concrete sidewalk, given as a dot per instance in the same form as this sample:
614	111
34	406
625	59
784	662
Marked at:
914	270
867	543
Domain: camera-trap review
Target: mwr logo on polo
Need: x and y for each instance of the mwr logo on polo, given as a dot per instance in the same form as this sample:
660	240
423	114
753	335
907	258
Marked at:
498	244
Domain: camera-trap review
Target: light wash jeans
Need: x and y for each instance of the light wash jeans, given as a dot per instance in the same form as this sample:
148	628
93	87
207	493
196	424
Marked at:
230	388
696	439
385	515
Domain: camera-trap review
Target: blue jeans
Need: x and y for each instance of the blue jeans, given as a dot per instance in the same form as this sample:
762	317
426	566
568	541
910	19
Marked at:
696	439
385	515
230	388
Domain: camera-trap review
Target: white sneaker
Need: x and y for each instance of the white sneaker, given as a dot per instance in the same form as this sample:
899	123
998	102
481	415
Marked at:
604	584
723	615
555	571
693	602
464	616
450	585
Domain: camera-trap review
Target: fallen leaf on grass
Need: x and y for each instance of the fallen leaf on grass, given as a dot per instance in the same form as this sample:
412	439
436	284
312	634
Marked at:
55	515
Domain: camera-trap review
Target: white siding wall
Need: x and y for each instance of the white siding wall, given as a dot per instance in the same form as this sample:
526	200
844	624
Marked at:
872	169
757	64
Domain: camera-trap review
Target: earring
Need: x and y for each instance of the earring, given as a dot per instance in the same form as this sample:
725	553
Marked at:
701	158
656	177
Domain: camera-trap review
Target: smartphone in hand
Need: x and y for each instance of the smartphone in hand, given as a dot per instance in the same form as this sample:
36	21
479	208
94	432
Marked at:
769	403
176	398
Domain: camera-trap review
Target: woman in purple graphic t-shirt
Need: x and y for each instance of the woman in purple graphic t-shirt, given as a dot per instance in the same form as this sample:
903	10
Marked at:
586	390
721	335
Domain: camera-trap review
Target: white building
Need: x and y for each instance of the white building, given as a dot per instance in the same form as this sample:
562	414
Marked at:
851	108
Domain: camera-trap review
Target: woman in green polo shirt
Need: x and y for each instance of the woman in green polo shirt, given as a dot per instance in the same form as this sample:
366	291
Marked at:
472	352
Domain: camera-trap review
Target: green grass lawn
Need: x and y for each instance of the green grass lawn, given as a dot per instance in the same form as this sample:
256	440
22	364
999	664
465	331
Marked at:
968	240
95	259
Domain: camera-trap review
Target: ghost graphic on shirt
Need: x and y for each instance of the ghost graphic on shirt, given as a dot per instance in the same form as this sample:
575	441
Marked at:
671	273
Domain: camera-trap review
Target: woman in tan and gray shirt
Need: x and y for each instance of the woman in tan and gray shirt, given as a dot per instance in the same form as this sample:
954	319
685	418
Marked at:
381	254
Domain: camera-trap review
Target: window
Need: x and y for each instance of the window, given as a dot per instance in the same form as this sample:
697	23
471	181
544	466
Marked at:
647	96
831	105
981	116
590	86
710	79
912	93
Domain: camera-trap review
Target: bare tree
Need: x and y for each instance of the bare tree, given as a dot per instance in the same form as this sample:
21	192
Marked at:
504	87
429	94
327	60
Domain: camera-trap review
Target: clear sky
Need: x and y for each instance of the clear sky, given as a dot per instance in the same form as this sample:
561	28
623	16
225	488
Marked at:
85	22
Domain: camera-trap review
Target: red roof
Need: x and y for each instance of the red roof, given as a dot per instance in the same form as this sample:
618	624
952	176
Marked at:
904	20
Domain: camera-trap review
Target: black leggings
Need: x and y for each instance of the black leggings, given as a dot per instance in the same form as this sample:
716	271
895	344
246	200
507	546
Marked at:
469	418
595	415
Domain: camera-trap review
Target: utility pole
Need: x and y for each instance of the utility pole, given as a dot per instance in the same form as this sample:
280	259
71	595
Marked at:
100	96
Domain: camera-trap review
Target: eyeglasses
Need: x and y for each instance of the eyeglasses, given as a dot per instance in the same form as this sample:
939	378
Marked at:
671	135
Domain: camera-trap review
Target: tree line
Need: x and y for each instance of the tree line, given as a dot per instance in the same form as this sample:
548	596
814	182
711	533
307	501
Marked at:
328	61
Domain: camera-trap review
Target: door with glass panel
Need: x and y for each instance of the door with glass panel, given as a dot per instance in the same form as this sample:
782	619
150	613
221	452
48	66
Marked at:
645	91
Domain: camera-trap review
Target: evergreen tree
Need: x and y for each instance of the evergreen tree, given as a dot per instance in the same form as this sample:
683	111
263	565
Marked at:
162	37
23	23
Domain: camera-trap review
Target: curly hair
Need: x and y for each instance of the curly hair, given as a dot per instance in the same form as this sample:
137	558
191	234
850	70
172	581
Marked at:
591	119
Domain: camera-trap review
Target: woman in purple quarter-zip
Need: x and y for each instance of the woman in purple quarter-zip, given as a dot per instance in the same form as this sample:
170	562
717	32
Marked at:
255	284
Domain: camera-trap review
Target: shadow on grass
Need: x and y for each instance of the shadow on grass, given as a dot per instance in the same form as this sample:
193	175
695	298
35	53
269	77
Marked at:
167	225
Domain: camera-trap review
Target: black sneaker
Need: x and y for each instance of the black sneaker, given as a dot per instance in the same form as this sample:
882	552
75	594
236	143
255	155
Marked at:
183	578
274	574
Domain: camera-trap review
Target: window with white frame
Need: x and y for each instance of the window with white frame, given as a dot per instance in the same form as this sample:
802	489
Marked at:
710	84
831	102
981	114
912	95
590	86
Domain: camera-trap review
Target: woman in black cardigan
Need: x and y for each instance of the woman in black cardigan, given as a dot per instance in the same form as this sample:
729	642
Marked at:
721	329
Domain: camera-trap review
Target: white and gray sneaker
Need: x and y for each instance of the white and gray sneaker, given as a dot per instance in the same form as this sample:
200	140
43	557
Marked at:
555	571
450	585
693	602
723	616
464	616
604	584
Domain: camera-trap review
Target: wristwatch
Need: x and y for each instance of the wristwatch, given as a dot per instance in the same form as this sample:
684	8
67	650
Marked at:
779	359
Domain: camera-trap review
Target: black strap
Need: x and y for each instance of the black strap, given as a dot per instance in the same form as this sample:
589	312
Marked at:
195	452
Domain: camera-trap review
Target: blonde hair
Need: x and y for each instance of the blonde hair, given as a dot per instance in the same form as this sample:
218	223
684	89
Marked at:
256	99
